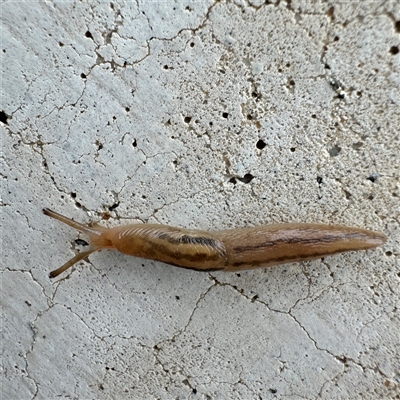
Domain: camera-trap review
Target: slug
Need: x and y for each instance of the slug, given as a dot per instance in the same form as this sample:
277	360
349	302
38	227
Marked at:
227	250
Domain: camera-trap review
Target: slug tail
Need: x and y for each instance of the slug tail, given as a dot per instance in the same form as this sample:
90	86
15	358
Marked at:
283	243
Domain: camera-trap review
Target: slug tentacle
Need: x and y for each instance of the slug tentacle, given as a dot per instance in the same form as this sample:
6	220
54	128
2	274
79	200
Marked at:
227	250
97	239
80	256
77	225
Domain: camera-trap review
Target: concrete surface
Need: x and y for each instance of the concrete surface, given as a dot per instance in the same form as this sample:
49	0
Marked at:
203	115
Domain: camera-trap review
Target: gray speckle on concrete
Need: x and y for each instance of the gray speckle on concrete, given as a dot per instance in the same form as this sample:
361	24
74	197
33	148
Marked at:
207	115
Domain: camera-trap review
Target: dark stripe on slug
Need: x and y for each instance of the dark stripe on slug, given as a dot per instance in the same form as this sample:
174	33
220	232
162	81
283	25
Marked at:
196	269
182	256
198	240
186	239
299	257
316	240
204	252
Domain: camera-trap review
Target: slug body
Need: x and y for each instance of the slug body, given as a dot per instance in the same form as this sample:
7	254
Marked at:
228	250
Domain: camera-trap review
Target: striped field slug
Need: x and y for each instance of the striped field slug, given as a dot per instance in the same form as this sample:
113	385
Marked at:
227	250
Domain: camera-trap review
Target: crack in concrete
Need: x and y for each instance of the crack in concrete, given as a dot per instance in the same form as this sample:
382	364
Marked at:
183	329
342	359
32	327
30	350
36	332
37	147
158	346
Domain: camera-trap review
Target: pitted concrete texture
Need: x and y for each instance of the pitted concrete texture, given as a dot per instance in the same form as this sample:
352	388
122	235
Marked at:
207	115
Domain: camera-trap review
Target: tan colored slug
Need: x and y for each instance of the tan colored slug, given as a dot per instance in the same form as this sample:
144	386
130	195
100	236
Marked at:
227	250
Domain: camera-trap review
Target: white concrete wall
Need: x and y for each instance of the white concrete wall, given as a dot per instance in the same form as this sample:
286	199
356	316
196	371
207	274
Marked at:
152	111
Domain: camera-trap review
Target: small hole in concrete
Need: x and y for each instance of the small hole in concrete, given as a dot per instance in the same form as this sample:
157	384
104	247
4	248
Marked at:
88	34
134	143
394	50
127	109
293	149
165	66
260	144
4	117
247	178
225	114
388	253
83	76
334	151
249	117
233	180
191	44
187	119
373	178
319	180
113	207
330	13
